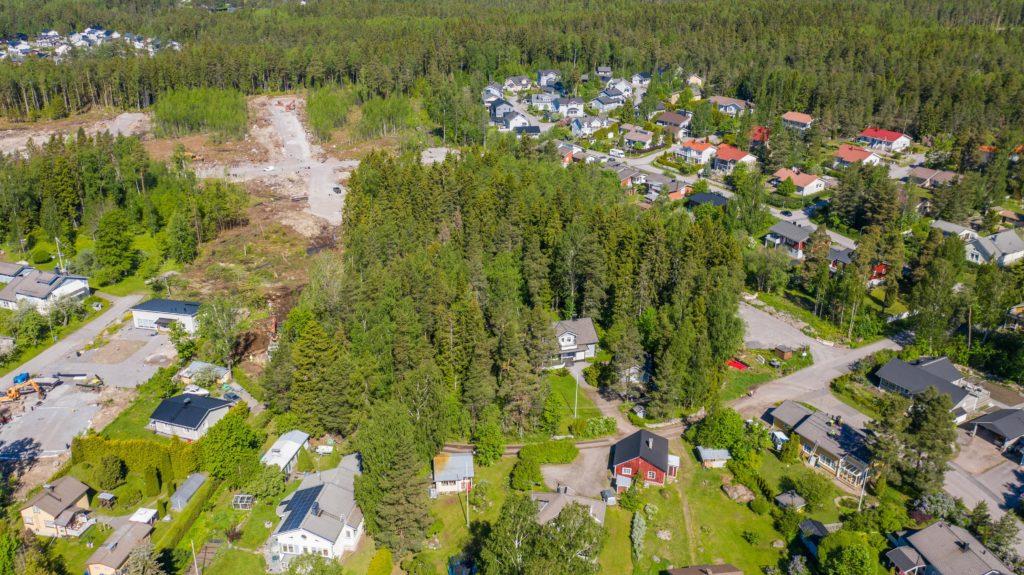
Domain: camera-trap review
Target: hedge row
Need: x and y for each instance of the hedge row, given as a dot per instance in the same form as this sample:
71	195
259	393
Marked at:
526	474
181	524
174	460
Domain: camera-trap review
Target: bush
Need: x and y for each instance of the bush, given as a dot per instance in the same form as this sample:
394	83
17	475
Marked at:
787	521
760	506
630	499
526	475
152	485
111	472
41	256
814	488
554	452
593	427
381	564
751	537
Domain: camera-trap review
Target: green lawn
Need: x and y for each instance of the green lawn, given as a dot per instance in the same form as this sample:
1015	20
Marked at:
235	562
131	423
76	552
564	387
738	382
21	355
857	395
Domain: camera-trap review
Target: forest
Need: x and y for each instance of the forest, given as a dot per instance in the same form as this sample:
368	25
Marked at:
923	66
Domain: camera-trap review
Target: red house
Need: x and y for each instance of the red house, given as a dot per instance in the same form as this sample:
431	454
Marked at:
644	457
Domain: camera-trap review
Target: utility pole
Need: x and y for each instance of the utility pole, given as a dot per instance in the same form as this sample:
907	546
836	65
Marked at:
576	397
195	563
60	255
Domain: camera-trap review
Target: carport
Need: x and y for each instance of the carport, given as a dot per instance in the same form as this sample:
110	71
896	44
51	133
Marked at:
1003	427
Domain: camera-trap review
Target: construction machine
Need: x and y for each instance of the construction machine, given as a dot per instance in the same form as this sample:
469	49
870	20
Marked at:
15	392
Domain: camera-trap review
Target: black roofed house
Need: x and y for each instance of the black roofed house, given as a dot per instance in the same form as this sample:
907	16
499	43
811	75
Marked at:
644	457
498	108
321	517
944	549
576	340
791	236
187	416
1003	427
707	198
910	379
160	313
813	531
825	442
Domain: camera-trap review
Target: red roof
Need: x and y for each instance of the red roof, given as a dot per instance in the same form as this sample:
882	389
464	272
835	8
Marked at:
799	179
760	134
987	149
880	134
852	154
729	153
798	117
679	194
697	145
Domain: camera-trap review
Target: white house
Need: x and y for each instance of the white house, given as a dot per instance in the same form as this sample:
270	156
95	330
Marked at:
284	453
544	101
886	140
512	121
547	78
517	83
577	341
587	125
696	152
159	314
848	155
605	103
728	157
491	92
642	79
953	229
806	184
187	416
321	517
1003	249
200	371
731	106
30	287
453	473
623	86
797	120
570	107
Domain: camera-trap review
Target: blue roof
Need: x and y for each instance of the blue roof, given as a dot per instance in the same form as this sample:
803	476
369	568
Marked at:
171	306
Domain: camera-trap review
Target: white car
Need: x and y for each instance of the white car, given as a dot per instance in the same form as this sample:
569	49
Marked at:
268	169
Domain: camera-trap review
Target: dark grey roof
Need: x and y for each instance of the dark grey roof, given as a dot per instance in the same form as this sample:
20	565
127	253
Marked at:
59	496
905	558
171	306
325	501
643	444
187	410
791	231
116	549
951	550
790	499
583	327
717	200
838	439
914	378
187	490
842	255
812	528
1008	423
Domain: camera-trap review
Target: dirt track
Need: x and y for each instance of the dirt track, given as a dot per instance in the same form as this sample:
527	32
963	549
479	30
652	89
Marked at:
127	123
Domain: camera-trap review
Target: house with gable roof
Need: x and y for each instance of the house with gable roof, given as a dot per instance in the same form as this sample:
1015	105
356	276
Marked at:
806	184
1003	249
790	236
848	155
797	120
944	549
60	509
728	157
731	106
576	340
825	442
40	290
912	378
644	457
885	140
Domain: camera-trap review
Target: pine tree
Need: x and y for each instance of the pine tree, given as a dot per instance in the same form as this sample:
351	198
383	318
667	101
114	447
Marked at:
114	253
312	354
180	239
929	440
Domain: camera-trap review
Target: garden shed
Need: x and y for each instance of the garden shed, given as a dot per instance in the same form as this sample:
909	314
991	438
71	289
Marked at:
187	490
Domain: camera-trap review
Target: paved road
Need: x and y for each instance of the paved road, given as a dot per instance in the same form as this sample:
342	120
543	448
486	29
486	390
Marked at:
522	107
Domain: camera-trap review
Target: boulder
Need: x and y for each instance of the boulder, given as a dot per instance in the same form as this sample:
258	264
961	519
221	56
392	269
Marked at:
739	493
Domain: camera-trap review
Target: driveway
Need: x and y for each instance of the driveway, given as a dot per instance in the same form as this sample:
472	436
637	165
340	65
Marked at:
800	218
586	476
521	107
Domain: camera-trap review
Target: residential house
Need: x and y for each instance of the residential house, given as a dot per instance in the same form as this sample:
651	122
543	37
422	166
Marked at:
728	157
813	531
586	126
517	84
759	136
187	416
848	155
806	184
570	107
839	257
284	453
1003	427
717	569
951	229
566	152
885	140
544	101
577	341
797	120
528	131
944	549
731	106
674	123
197	372
623	87
694	80
548	78
160	314
320	518
490	93
791	236
642	79
639	138
603	73
1003	249
60	509
1011	218
512	121
644	457
825	442
183	495
929	178
453	473
910	379
551	505
41	290
713	458
629	176
696	152
110	557
9	271
605	103
499	108
707	198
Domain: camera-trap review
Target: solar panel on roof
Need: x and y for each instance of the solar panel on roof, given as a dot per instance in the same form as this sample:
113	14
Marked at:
299	506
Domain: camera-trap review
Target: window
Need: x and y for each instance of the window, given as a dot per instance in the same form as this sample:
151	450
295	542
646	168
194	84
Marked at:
651	475
288	549
324	552
627	471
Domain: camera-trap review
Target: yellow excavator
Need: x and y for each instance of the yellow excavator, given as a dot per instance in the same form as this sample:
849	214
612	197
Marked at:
15	392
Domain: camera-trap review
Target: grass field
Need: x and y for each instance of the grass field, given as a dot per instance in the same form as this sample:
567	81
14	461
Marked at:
76	552
22	355
564	387
235	562
857	395
131	423
738	382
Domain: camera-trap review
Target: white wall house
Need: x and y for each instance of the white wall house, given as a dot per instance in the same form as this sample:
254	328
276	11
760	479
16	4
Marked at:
1003	249
806	184
187	416
159	314
453	473
577	341
885	140
695	152
284	453
320	518
26	286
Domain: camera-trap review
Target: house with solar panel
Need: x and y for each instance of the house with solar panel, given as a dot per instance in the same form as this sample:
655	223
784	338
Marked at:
321	517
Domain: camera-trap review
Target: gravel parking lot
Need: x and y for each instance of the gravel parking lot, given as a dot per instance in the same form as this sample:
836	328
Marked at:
586	476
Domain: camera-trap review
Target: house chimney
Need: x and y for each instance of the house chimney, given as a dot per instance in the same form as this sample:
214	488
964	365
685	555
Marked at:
650	443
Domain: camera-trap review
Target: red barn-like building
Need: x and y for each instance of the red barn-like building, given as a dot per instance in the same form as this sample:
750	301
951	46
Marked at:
643	456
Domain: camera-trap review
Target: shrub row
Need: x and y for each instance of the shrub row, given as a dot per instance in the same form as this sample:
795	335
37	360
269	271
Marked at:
526	473
185	519
592	427
173	460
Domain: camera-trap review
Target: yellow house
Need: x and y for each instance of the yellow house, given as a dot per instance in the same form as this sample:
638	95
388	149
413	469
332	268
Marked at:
61	509
109	558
